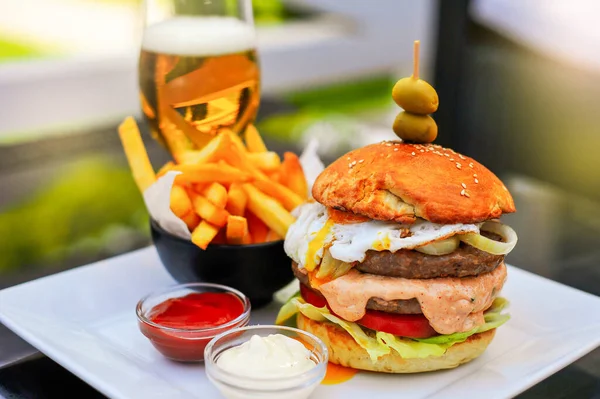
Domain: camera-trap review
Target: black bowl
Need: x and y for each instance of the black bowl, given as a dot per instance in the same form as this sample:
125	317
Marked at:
257	270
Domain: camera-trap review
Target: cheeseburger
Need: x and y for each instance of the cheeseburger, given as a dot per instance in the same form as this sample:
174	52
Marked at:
400	258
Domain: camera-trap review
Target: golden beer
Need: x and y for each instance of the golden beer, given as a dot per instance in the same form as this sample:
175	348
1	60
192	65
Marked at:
198	75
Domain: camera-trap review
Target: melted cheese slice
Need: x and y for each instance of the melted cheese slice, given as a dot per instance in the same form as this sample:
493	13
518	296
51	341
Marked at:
314	230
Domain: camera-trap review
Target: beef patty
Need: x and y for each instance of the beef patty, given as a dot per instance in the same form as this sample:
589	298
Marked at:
463	262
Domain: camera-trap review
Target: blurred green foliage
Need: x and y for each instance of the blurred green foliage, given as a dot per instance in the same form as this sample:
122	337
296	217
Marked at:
265	11
351	99
12	50
78	211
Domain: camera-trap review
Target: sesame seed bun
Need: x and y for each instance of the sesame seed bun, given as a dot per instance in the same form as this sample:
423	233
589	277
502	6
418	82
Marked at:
344	350
396	181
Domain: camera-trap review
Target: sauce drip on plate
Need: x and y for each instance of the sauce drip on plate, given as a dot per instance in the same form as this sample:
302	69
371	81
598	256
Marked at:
197	310
337	374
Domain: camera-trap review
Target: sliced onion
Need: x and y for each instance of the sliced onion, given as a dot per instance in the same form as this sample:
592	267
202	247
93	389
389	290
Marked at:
328	265
478	241
331	267
441	247
342	269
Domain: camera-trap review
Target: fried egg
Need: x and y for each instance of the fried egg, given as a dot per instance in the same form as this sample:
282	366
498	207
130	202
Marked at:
314	230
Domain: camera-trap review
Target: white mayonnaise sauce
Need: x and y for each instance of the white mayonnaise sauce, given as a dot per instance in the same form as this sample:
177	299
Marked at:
273	356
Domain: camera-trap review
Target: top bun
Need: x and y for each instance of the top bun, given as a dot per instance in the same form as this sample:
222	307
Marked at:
397	181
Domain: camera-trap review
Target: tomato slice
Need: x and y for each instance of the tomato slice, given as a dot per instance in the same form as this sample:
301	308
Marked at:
402	325
312	297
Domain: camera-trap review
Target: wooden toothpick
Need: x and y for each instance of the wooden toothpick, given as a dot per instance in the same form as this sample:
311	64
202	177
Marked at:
416	60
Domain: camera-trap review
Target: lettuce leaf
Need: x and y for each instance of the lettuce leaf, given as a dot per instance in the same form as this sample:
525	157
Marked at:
382	343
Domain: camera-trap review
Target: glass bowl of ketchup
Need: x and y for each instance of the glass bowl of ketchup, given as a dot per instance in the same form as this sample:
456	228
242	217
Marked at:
180	320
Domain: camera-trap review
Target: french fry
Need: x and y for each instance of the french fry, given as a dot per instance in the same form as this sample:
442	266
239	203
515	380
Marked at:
217	194
267	161
254	142
213	151
258	229
238	159
209	212
237	230
268	210
137	156
236	200
191	220
235	140
272	236
209	173
204	234
293	174
165	168
221	237
180	201
237	156
198	188
281	193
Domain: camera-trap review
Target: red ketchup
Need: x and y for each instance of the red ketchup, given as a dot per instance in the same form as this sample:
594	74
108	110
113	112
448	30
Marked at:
181	327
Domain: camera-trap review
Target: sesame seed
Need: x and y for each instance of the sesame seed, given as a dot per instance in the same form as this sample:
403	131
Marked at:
348	158
462	192
458	165
474	174
413	153
463	185
388	144
361	161
467	195
461	157
422	150
350	165
451	159
470	164
446	155
476	181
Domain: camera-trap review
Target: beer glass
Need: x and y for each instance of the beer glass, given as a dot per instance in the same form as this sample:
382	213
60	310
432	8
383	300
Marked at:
198	70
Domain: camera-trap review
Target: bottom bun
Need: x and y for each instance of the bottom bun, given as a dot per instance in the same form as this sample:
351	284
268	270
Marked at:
344	350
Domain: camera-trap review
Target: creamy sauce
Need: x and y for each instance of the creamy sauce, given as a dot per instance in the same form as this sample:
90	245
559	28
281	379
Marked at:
450	304
275	355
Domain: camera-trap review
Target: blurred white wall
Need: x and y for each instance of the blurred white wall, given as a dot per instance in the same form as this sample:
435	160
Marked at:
96	81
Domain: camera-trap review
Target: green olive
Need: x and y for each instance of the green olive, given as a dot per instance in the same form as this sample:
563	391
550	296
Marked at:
416	96
415	128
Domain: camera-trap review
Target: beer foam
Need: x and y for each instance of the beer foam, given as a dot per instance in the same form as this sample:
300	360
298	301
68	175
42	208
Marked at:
199	36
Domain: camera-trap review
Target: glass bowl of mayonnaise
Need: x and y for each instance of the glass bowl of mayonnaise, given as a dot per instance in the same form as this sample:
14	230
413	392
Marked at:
266	361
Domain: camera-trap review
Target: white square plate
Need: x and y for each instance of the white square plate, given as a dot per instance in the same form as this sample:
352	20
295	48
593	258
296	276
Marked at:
84	319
